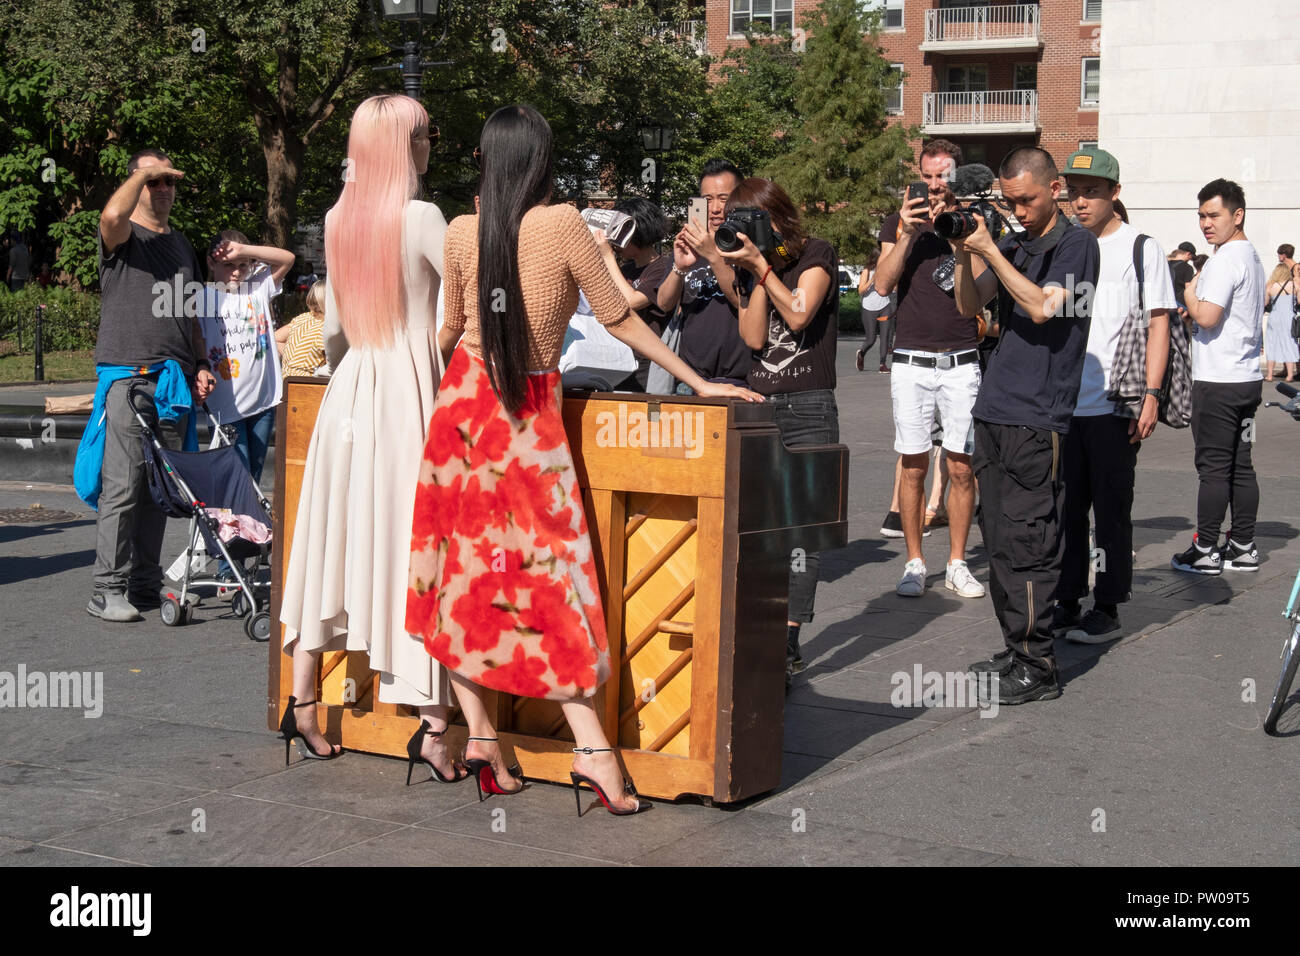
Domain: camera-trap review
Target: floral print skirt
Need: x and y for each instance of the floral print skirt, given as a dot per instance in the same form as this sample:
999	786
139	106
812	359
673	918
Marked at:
503	586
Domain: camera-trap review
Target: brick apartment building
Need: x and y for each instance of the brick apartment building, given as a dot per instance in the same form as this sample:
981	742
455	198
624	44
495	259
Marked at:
988	76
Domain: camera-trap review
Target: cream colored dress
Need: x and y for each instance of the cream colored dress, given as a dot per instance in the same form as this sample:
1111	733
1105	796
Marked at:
347	576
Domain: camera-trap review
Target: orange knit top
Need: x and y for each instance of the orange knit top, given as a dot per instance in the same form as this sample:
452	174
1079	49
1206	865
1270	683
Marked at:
557	256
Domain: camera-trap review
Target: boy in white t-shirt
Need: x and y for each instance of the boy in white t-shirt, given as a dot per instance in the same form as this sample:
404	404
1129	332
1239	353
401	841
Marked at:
1102	445
238	327
1226	302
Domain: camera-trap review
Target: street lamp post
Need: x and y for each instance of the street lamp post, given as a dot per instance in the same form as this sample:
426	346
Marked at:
657	140
412	15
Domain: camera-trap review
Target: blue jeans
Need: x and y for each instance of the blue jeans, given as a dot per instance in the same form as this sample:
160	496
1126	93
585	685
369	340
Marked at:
252	436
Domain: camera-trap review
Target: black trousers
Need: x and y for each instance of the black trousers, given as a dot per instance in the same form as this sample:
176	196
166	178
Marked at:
1022	486
1223	428
1100	470
879	331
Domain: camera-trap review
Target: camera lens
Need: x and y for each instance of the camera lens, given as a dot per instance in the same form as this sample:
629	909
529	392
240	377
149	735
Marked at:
954	225
726	238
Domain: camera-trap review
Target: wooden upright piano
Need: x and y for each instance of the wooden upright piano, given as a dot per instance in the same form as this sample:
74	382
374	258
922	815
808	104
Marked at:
696	512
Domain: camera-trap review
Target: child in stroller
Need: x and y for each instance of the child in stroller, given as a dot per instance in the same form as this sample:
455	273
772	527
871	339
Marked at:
215	491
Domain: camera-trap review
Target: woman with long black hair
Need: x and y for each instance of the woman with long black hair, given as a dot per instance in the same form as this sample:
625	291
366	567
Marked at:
503	585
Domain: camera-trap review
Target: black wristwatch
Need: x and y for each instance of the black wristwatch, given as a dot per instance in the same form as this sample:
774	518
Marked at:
1159	393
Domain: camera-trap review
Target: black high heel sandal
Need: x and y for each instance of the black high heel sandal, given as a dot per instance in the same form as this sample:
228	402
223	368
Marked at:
485	777
628	789
289	730
413	747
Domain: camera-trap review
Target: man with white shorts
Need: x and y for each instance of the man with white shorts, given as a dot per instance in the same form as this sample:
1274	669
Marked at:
936	369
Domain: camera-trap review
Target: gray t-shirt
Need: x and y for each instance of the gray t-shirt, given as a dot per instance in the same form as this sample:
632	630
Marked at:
139	323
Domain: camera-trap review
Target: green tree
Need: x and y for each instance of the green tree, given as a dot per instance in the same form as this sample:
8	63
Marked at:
846	162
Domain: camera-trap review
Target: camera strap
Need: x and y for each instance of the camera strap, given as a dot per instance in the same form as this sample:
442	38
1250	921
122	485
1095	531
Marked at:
1047	241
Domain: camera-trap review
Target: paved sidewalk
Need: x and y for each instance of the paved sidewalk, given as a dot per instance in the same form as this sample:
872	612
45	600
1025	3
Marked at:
1151	756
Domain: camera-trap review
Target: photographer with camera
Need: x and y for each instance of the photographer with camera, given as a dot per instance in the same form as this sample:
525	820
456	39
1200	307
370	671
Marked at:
936	368
702	282
1042	278
788	303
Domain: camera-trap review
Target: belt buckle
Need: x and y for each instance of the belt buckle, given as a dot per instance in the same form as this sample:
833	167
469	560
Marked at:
945	361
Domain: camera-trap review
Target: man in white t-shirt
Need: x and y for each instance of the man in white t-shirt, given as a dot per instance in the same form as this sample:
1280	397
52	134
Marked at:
1102	445
1226	302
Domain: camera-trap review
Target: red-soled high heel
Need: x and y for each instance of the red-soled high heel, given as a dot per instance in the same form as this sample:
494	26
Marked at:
485	777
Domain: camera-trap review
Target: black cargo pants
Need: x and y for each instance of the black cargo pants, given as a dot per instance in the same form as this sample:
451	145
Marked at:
1021	486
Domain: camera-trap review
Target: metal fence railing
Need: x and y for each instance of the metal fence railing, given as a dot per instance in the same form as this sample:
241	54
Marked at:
1006	21
981	108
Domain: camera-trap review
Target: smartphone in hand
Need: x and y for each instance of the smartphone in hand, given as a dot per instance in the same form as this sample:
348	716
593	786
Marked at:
918	190
699	213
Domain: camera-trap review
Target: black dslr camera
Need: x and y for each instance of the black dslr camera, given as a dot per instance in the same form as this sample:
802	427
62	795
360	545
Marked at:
753	222
961	223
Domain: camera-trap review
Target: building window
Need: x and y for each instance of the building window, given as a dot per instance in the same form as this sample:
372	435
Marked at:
968	79
894	94
773	14
1091	85
1087	144
1026	76
974	153
1091	11
891	17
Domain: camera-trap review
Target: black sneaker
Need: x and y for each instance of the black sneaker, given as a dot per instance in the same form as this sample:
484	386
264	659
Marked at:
892	527
1065	619
1197	561
999	663
1237	558
1019	686
1097	627
794	663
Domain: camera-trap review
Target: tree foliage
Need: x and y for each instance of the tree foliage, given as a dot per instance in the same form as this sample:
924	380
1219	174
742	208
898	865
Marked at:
846	162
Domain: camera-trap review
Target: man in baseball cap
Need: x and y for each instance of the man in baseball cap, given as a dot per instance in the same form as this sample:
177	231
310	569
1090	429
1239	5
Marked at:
1113	414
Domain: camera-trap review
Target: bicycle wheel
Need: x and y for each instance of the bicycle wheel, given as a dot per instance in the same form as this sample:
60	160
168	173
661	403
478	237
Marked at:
1290	661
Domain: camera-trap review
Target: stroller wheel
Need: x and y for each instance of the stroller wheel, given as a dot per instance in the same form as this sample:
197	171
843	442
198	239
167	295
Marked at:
240	604
187	613
172	613
258	626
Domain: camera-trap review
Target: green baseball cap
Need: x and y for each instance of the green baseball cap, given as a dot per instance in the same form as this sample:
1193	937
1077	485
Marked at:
1091	161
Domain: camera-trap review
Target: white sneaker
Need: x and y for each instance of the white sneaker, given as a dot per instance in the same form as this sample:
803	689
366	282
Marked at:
913	582
960	579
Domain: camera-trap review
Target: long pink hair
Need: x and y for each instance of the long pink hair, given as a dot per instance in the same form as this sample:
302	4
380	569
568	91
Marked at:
363	232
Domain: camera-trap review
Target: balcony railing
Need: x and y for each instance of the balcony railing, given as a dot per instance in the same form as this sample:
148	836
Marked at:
1015	110
985	25
692	31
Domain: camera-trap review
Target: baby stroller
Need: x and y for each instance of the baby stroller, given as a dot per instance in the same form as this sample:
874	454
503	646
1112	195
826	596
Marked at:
215	491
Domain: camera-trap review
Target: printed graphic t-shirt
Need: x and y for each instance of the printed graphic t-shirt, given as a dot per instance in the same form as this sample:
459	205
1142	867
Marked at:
711	342
804	360
237	328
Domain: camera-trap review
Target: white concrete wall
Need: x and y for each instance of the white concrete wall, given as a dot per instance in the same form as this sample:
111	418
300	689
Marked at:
1194	90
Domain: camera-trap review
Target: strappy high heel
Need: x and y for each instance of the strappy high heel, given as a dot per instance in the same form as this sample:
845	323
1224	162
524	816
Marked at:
628	789
413	747
289	730
485	778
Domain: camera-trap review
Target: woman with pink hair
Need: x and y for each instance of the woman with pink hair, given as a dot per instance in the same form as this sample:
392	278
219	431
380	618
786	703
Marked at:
346	578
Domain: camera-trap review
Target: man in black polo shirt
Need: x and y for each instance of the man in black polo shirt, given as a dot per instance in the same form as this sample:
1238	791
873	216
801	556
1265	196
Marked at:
1044	279
703	282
